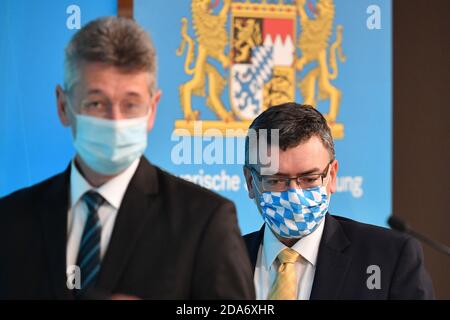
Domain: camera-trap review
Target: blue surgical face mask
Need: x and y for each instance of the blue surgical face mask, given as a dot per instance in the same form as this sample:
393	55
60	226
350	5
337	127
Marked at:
293	213
110	146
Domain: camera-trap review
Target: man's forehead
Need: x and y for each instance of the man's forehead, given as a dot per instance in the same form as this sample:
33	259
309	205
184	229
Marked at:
99	70
303	158
95	78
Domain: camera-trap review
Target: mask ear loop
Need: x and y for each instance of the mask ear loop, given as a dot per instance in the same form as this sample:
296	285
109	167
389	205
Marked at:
325	186
254	180
258	203
71	111
328	175
69	104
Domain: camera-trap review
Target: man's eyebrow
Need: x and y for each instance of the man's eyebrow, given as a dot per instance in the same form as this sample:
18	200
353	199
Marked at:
100	92
133	94
310	171
95	91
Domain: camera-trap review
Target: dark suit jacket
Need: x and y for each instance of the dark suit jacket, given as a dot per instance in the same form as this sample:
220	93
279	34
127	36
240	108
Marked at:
171	240
348	248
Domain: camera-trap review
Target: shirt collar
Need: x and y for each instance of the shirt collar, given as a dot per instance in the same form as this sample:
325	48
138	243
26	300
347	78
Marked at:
307	247
112	191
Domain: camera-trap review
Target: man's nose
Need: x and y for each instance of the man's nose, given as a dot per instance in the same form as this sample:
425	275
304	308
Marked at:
115	113
293	184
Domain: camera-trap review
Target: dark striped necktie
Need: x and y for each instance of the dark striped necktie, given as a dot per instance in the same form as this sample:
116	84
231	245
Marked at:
89	253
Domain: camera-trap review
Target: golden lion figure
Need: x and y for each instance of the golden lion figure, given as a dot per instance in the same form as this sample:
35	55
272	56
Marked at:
313	43
211	36
248	35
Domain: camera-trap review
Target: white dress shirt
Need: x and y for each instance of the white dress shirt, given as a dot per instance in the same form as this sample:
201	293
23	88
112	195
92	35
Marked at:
112	191
267	263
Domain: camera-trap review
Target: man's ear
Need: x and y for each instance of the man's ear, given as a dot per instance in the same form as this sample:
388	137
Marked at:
62	106
333	176
153	108
249	180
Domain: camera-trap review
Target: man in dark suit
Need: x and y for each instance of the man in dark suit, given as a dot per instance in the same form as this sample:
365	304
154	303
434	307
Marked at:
303	252
114	225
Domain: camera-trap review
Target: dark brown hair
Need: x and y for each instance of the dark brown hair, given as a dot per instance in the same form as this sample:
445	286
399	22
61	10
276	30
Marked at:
296	123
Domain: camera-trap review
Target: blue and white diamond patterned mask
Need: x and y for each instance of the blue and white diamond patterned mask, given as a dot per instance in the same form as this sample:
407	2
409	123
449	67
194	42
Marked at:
293	213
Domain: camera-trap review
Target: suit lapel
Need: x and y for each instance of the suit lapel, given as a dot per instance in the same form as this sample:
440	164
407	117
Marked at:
332	262
55	204
253	241
136	208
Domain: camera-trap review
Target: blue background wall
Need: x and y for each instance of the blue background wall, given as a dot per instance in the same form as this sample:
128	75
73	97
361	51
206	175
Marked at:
35	146
365	80
33	35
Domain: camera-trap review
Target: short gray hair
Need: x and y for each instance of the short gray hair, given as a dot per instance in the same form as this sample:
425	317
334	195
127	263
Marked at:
115	41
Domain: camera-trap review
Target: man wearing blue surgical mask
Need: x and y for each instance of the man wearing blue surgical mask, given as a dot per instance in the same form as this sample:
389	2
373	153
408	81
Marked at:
114	225
302	252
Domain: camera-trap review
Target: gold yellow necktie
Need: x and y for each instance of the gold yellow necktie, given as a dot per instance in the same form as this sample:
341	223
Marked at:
285	285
